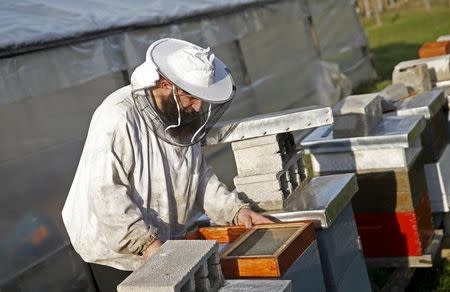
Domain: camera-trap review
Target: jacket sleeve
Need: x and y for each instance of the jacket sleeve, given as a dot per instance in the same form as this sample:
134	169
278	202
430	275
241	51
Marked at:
219	203
119	220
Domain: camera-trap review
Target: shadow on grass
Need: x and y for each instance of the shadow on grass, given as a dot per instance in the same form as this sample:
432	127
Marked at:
385	58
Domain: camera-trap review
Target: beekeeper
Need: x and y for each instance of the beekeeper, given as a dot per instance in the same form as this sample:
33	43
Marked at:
141	178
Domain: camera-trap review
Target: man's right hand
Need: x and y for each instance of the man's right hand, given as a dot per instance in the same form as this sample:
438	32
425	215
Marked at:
152	248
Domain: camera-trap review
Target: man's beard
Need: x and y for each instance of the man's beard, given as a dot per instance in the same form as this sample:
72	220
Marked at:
190	121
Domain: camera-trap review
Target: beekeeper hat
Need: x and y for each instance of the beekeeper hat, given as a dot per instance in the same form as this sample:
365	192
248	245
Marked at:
190	67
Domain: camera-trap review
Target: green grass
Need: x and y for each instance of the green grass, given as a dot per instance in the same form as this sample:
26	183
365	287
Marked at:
398	39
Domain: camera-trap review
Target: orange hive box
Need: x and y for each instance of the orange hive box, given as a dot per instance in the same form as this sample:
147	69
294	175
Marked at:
266	251
433	49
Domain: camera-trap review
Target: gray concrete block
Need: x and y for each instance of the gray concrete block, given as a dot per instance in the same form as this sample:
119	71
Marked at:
338	246
264	201
443	38
355	278
394	92
356	115
438	67
256	286
268	191
306	272
270	140
181	265
415	76
264	154
257	161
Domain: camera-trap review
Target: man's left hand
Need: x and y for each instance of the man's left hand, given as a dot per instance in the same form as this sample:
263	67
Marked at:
249	217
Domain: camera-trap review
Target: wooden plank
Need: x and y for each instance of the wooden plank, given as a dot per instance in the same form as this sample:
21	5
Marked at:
424	261
222	234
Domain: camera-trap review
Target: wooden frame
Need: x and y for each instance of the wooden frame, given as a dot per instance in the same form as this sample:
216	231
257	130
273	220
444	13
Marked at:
267	265
222	234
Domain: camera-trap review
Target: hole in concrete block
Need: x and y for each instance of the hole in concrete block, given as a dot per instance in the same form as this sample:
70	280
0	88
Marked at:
189	286
201	283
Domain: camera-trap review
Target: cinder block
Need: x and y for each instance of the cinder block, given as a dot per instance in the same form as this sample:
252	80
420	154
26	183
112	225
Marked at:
256	286
306	272
438	183
181	265
264	154
355	278
443	38
268	191
264	201
338	246
415	76
356	115
438	67
394	92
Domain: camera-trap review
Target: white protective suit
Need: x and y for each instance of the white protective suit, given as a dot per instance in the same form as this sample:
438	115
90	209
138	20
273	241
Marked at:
130	183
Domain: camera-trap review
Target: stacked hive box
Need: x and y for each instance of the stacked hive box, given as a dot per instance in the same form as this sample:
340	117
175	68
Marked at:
268	162
326	200
432	106
323	199
391	207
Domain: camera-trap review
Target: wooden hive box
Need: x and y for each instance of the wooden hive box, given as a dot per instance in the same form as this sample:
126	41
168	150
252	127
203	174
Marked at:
433	49
266	251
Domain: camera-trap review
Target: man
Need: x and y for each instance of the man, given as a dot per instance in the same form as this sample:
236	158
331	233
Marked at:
141	179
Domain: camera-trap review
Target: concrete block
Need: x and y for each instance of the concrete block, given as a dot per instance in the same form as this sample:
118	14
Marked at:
263	182
181	265
270	140
338	246
356	115
256	286
306	272
437	175
264	154
355	278
268	191
415	76
263	201
394	92
257	161
443	38
438	67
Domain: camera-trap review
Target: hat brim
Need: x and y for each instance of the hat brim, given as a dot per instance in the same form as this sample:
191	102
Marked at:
221	90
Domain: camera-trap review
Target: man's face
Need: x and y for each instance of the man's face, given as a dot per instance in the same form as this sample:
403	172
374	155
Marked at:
190	113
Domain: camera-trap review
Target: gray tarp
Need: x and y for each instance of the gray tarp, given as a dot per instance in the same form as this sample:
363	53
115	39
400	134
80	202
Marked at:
66	56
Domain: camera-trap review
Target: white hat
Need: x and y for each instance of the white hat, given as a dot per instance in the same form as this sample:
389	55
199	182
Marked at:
193	69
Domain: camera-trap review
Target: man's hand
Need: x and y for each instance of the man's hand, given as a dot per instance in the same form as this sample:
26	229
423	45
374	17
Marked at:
151	249
249	217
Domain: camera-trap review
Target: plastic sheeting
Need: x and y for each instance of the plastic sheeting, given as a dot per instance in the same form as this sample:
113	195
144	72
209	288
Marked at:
47	97
341	38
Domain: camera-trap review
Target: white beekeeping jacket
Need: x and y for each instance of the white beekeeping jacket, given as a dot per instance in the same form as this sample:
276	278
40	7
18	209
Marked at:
129	183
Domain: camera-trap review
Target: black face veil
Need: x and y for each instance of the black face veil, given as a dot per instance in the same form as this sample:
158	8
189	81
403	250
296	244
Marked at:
176	125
